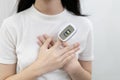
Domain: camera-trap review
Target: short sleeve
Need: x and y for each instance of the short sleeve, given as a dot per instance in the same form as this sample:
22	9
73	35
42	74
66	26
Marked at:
87	54
7	44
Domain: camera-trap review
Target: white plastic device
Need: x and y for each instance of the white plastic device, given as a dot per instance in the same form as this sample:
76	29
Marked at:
67	32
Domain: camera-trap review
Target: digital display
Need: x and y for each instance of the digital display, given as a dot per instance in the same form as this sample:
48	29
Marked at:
67	32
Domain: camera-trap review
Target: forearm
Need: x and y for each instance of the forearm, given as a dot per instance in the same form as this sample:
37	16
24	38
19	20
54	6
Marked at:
79	74
30	73
24	75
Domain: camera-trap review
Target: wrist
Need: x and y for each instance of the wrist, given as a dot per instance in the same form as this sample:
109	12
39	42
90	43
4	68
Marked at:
74	68
31	72
36	68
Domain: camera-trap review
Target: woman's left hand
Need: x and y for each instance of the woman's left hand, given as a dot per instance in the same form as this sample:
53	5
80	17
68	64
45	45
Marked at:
69	67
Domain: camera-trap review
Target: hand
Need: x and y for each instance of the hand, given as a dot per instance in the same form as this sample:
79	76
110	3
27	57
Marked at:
69	65
54	57
73	64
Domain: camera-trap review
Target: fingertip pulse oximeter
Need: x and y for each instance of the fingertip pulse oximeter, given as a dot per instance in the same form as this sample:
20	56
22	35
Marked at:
67	32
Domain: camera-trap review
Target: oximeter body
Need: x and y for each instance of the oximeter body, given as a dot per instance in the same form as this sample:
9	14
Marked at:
67	32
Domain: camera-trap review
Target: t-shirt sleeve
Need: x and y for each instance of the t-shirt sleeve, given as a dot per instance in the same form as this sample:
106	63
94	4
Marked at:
87	54
7	44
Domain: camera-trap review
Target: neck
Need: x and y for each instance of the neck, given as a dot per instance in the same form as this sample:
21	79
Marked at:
50	7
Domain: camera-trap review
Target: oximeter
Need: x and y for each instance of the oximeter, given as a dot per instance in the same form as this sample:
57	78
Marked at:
67	32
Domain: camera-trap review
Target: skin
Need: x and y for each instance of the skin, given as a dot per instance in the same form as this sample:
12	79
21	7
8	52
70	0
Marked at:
60	57
49	7
49	59
77	69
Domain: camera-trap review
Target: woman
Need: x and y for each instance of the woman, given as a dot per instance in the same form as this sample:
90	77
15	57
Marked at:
30	49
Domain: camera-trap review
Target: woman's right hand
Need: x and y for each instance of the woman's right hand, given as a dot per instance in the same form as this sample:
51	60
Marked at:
50	59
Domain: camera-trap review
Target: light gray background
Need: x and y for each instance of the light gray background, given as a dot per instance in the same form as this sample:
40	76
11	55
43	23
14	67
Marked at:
105	15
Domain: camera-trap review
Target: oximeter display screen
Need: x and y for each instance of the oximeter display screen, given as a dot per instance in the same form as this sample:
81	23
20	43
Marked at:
66	32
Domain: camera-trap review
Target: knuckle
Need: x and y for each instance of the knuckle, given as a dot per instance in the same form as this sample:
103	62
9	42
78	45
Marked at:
68	54
73	51
49	39
59	61
67	48
66	61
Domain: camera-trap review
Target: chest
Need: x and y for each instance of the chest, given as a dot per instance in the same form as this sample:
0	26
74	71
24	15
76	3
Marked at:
27	49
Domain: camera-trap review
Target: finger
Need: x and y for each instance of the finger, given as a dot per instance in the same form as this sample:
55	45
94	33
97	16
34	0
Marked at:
77	44
70	53
69	48
65	44
68	59
57	44
42	39
73	51
40	43
52	42
47	42
45	37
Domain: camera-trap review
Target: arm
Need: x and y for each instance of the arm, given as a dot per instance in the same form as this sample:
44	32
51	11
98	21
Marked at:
8	58
8	72
44	63
83	68
77	70
82	71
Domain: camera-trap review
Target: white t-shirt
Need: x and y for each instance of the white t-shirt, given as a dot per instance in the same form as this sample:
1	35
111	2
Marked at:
18	38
